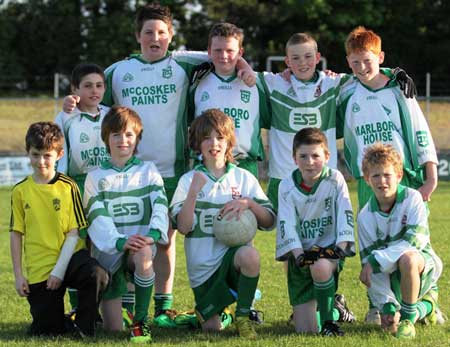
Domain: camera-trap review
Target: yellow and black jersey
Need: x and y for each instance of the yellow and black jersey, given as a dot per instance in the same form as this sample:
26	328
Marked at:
44	214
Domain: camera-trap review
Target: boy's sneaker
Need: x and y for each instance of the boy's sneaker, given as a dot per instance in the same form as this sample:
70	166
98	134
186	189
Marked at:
187	319
373	316
406	330
345	315
256	316
127	318
165	318
245	327
140	333
331	328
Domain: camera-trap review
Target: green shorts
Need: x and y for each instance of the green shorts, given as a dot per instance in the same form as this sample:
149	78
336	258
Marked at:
300	282
170	185
426	278
118	284
272	192
213	295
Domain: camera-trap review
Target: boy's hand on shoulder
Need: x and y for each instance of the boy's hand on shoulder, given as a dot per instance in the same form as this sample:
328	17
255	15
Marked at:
286	74
70	102
405	82
22	287
53	282
247	76
366	274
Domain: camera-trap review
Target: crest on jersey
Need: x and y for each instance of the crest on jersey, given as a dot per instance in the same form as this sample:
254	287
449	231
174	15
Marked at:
245	96
291	92
56	204
327	204
422	138
84	138
103	184
355	108
128	77
200	195
318	91
167	73
235	193
205	96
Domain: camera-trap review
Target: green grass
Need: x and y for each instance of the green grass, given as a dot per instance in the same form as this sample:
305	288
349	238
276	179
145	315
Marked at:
15	317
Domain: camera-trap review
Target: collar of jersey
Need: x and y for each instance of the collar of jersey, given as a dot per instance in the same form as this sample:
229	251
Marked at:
131	162
138	56
91	117
391	83
313	79
202	168
401	195
228	79
297	178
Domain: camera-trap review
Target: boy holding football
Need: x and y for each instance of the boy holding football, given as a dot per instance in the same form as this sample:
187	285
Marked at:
218	186
314	233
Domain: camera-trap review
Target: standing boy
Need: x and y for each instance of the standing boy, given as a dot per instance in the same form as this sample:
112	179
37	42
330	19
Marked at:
127	210
314	232
222	89
217	186
84	149
400	268
372	108
46	216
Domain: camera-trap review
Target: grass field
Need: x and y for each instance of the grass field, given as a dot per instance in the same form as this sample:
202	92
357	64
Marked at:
18	114
15	317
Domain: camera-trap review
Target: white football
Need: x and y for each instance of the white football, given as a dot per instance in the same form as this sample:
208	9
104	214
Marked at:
235	232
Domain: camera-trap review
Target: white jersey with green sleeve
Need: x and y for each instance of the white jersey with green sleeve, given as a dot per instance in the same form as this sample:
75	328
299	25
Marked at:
245	105
296	105
158	92
322	217
204	252
384	237
124	201
384	115
84	149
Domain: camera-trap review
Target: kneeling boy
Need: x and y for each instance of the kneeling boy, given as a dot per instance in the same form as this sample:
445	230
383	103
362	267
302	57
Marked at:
399	266
314	232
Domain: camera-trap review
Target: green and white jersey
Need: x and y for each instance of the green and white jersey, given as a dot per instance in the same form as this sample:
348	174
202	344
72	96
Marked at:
204	252
84	149
296	105
322	217
245	105
384	115
125	201
384	237
158	92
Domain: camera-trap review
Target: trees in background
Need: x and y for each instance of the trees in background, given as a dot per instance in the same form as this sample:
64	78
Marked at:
40	37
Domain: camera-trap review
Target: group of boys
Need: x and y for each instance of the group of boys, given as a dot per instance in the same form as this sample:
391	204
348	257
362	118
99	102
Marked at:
315	218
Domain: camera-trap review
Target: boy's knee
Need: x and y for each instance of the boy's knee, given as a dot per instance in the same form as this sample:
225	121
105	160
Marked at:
247	256
322	269
411	261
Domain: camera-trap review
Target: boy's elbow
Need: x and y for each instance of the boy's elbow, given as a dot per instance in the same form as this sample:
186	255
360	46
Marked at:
73	232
